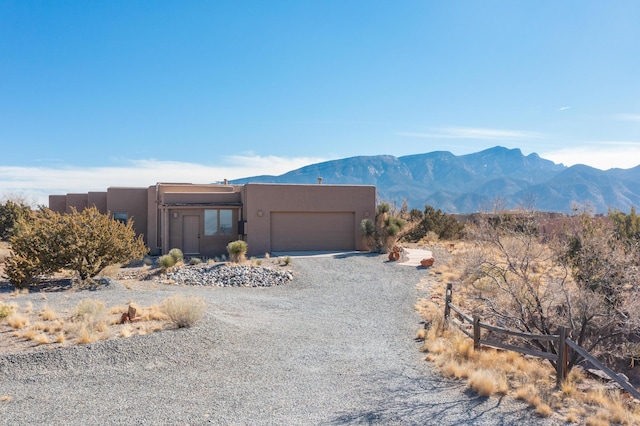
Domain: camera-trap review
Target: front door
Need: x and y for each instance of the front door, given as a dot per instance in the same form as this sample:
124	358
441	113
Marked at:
191	234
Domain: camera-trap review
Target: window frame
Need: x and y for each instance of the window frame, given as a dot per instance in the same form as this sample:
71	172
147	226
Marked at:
221	229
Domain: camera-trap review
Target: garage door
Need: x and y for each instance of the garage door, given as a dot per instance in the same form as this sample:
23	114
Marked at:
312	231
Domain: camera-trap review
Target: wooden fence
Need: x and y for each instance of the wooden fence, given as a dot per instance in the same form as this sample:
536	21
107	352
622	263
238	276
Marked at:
560	340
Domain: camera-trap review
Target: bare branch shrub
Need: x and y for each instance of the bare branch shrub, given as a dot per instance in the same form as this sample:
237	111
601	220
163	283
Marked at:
581	279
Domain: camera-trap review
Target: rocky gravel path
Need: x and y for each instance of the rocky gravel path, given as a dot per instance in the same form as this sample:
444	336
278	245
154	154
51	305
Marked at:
333	346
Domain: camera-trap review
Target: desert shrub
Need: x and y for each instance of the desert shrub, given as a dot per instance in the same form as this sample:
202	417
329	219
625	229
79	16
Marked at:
166	261
433	221
183	311
286	261
195	261
12	217
177	255
237	251
368	230
382	234
83	242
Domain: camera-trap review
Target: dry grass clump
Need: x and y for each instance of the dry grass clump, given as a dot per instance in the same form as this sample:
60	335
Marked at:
483	382
18	321
5	398
47	314
183	311
91	320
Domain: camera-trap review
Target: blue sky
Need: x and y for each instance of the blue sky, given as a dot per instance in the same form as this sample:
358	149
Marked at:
97	94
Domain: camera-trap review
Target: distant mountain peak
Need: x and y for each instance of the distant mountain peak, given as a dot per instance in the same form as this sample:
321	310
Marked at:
464	183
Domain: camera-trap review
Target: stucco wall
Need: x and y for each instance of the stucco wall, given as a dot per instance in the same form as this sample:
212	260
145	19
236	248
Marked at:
132	201
98	199
58	203
261	200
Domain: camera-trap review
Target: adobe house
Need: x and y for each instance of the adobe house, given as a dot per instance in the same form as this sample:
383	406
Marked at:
201	219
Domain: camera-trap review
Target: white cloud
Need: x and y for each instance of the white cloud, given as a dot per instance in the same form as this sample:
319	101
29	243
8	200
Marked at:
564	108
473	133
601	155
37	183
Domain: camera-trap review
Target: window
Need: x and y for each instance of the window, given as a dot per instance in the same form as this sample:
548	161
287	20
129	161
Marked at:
218	222
121	217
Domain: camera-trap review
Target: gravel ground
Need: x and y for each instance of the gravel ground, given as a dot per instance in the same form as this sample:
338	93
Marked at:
333	346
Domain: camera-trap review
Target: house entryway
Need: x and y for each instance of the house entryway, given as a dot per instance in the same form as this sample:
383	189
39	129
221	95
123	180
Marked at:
191	234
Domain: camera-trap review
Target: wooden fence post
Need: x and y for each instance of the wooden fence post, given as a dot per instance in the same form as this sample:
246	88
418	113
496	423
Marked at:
476	332
561	362
447	300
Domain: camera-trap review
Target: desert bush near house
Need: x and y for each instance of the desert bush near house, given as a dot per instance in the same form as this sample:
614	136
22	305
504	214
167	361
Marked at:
177	255
166	261
237	251
83	242
382	234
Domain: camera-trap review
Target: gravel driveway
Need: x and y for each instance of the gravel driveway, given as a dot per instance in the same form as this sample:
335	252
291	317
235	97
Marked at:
334	346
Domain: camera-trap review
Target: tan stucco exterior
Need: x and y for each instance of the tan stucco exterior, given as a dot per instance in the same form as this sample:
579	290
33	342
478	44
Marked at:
201	219
264	202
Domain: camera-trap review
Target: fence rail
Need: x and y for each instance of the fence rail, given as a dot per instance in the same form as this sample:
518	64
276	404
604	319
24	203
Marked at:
562	344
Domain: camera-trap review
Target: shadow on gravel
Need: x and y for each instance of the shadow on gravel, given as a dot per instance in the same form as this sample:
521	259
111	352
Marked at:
48	285
423	401
355	254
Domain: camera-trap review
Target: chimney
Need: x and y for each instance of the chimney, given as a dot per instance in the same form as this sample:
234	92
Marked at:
319	181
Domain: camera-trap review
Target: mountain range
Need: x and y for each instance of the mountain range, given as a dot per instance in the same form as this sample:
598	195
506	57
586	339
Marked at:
469	183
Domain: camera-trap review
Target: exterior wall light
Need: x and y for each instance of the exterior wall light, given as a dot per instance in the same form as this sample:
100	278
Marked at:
259	213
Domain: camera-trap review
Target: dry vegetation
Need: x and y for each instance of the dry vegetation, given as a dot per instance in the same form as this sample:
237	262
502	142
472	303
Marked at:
488	372
23	328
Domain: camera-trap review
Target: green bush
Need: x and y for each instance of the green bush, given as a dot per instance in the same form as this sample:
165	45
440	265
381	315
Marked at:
195	261
237	251
83	242
177	255
166	261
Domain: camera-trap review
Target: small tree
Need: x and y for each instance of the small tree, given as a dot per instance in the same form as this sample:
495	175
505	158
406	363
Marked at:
84	242
237	251
387	227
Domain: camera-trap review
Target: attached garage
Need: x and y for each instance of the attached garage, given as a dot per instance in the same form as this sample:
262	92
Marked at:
300	231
